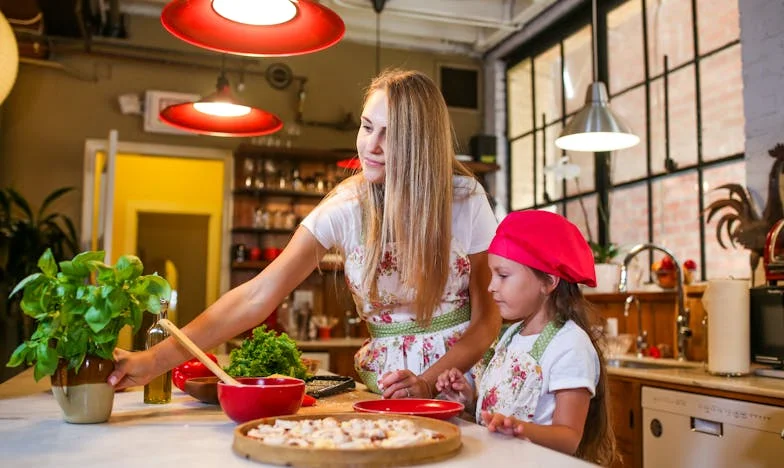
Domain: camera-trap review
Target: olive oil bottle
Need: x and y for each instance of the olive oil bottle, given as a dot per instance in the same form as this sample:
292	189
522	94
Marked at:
159	389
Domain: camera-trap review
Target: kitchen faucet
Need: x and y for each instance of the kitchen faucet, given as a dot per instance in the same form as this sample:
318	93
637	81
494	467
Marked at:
682	319
642	335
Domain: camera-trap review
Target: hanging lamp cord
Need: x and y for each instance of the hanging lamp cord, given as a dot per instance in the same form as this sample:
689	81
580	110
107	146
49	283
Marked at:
595	45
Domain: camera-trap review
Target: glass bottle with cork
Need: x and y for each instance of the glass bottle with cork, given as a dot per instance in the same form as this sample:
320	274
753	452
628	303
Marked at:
158	390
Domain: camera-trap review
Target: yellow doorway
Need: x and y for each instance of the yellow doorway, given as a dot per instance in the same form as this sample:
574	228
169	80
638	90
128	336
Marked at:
162	185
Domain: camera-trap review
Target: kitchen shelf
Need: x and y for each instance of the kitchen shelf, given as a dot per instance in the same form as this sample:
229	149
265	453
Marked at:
254	230
293	154
278	193
262	264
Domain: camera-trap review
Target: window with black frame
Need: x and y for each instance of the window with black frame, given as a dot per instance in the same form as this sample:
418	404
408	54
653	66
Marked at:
674	73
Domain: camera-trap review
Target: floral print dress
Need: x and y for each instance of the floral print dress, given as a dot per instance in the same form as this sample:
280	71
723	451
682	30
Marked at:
510	381
397	341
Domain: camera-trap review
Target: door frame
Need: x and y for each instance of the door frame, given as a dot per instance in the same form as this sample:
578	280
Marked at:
92	146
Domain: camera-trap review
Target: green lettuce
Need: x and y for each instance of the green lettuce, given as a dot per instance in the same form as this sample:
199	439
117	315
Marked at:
266	353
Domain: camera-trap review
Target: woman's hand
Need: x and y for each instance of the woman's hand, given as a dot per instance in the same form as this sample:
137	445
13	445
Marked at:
132	369
455	387
497	422
404	384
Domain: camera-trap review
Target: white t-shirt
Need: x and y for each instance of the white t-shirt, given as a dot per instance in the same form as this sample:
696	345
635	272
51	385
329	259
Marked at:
569	362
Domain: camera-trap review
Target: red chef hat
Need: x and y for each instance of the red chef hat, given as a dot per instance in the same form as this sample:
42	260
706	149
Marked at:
547	242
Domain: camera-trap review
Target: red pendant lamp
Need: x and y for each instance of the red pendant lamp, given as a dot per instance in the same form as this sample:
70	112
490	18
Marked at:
220	114
268	28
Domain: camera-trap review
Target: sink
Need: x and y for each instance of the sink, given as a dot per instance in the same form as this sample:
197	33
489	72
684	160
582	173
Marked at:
649	364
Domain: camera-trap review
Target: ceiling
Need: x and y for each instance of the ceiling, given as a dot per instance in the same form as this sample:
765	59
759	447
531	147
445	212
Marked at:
468	27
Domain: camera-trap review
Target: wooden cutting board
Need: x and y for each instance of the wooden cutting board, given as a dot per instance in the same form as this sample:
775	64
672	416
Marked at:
340	403
253	449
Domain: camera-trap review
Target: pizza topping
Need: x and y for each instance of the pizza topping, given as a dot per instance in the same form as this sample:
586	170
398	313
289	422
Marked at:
350	434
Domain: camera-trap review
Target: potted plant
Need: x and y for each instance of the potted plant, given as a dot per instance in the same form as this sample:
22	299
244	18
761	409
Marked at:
607	273
80	306
24	236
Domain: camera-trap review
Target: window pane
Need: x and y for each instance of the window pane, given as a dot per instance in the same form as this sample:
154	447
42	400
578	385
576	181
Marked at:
624	41
578	68
576	213
669	33
519	92
548	84
718	22
676	220
548	155
733	261
522	177
629	215
723	120
586	181
683	120
631	163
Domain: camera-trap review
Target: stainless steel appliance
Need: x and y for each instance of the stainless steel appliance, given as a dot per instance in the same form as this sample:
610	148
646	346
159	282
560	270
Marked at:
683	430
767	307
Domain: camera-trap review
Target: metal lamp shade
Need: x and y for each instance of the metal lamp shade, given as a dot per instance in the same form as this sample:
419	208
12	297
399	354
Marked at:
313	28
595	127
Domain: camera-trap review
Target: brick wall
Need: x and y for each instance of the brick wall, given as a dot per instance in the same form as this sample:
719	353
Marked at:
762	40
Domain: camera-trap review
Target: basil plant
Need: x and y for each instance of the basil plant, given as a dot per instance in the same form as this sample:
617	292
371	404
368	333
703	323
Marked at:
81	305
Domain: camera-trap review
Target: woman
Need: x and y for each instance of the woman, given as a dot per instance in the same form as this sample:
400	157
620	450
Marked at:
413	228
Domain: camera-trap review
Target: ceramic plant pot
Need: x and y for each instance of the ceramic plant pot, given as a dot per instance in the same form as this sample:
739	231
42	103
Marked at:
84	396
608	275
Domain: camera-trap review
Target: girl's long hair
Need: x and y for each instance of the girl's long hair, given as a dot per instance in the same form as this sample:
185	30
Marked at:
412	209
598	442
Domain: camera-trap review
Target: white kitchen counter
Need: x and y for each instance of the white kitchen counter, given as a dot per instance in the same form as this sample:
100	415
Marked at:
697	376
188	433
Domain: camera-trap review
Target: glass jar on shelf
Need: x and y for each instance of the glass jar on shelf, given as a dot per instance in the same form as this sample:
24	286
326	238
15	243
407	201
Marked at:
248	167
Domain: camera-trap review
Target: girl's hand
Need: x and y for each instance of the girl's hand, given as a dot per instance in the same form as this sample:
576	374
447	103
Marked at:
404	384
132	369
454	386
497	422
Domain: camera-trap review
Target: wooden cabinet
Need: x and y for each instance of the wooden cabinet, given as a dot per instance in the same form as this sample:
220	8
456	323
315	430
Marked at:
626	417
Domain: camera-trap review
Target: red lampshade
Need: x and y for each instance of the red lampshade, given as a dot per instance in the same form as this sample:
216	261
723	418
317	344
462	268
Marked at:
312	28
219	114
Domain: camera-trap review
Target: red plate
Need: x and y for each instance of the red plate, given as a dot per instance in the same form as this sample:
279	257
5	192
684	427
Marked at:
437	409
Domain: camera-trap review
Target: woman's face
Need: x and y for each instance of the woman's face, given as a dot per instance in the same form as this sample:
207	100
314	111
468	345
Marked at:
517	291
372	137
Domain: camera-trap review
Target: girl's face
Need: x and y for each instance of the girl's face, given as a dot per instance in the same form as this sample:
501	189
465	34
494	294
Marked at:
372	137
517	291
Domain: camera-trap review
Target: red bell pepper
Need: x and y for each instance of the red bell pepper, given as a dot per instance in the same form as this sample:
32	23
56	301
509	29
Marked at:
308	400
190	370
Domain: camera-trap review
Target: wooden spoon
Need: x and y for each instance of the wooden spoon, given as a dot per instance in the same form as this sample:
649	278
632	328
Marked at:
191	346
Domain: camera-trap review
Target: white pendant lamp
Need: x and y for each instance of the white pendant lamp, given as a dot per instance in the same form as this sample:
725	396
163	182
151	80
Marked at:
595	128
9	58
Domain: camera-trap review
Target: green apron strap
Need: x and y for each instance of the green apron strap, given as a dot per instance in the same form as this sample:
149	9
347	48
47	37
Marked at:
548	333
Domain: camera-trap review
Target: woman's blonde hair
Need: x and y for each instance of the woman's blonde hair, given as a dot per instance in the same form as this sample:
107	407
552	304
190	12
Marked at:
413	208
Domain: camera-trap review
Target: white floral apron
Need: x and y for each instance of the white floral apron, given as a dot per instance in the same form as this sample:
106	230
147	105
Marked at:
511	380
398	342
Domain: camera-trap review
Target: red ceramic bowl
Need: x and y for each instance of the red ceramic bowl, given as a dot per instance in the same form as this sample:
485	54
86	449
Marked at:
261	397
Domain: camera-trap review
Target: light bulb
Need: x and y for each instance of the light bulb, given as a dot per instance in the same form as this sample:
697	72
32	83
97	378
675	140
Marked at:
221	109
256	12
597	141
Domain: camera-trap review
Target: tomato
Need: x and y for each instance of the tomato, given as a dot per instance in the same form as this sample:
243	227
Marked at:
191	369
308	400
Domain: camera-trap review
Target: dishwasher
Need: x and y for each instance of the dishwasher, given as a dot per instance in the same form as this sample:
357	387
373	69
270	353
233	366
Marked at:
689	430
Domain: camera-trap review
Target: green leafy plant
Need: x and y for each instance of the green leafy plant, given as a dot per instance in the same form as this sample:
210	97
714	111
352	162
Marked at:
603	253
266	353
81	307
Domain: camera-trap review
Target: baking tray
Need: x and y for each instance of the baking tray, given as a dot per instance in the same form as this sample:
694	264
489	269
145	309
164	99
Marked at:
325	385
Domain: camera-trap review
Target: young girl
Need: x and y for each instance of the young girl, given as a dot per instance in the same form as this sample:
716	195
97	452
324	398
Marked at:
545	380
413	227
